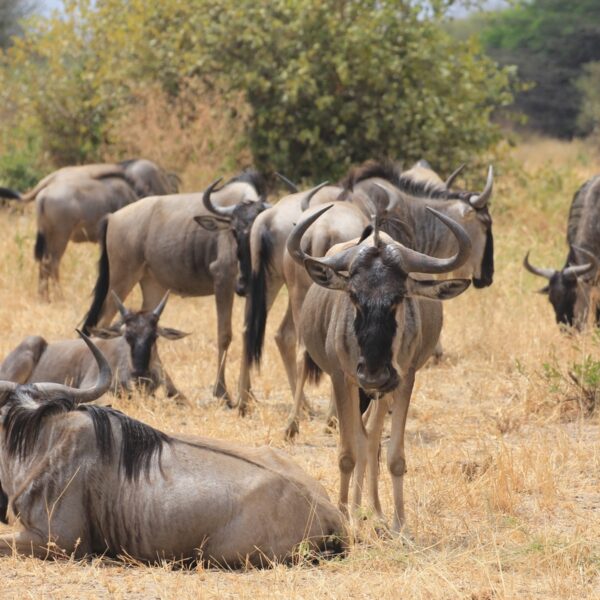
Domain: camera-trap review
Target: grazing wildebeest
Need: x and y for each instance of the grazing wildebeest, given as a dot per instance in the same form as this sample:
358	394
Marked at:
129	346
71	202
158	243
574	291
370	325
82	479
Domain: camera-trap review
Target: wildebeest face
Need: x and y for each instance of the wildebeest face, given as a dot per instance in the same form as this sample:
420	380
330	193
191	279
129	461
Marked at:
376	287
478	224
140	334
239	224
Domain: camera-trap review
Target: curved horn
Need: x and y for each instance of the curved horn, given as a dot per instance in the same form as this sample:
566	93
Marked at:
415	262
87	395
578	270
479	201
122	310
545	273
338	262
290	184
224	212
453	176
7	387
308	195
161	305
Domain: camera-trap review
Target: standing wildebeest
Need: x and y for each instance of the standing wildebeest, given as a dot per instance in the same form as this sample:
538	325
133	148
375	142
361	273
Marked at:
158	243
370	325
81	479
71	202
129	347
574	291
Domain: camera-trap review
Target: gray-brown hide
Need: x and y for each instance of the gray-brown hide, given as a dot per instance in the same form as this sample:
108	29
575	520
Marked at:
129	347
367	323
401	204
574	290
268	237
158	243
71	202
115	487
71	210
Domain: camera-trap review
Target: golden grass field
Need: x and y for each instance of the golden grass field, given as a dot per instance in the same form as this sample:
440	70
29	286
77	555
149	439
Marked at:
503	484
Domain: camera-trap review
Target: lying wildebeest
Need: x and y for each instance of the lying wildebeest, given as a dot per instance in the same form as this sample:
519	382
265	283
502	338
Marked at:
129	346
71	202
82	479
158	243
368	324
574	291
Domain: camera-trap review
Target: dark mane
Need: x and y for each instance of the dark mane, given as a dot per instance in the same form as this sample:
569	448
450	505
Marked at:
391	171
140	442
254	178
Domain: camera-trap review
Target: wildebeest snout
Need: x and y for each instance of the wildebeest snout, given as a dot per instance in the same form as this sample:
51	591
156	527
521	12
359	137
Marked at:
381	379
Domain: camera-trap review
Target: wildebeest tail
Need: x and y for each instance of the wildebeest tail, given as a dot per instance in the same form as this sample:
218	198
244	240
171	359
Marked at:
101	287
39	250
364	400
314	372
10	194
256	304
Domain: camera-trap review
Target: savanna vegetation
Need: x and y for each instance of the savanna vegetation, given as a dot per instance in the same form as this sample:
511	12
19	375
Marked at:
502	491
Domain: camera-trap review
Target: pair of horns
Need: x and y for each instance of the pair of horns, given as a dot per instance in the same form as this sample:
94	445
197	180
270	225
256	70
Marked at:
125	312
225	212
80	396
573	271
410	261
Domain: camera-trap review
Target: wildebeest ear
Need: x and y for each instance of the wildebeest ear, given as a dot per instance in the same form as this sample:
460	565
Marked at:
324	275
545	290
106	333
211	223
438	290
170	333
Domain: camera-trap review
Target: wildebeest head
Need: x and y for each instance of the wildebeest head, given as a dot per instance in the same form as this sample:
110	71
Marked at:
477	220
238	218
569	289
140	330
375	273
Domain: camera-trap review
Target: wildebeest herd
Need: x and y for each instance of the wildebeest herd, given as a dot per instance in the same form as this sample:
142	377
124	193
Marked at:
366	263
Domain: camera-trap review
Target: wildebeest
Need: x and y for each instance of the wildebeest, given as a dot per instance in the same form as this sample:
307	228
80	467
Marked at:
158	243
574	291
71	202
83	479
129	346
368	324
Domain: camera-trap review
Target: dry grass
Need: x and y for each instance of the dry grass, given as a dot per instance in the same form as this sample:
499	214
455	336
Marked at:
503	492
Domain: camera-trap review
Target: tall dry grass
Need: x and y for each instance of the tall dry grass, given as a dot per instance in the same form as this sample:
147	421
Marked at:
503	487
196	135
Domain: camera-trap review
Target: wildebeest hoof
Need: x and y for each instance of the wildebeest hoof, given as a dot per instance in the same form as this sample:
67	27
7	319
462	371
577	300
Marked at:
292	430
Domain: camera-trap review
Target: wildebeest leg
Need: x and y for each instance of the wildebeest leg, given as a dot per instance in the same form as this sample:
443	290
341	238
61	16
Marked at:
396	458
286	342
56	244
20	363
244	386
152	292
374	426
224	292
25	543
346	400
123	278
293	428
331	418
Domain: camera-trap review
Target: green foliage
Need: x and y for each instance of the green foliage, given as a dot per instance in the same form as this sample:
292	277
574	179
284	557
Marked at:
588	85
578	385
549	41
329	83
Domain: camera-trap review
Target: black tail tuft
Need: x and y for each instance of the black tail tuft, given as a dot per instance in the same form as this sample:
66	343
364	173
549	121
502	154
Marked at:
39	249
101	288
256	304
314	372
10	194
